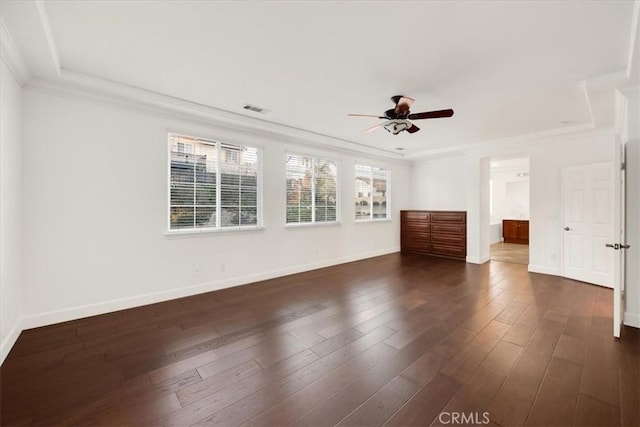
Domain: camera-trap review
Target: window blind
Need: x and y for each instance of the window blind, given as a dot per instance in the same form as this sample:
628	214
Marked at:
212	186
371	192
312	191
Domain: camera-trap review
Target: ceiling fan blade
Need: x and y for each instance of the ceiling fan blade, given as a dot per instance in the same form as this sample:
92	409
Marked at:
365	115
431	114
376	127
413	128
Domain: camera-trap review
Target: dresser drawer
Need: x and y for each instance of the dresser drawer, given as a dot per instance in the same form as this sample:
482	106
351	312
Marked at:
416	216
460	229
416	247
410	225
447	250
416	235
449	217
449	239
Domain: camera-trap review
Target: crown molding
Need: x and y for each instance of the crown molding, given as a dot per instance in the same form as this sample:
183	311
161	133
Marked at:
12	56
517	141
73	84
500	144
48	34
633	38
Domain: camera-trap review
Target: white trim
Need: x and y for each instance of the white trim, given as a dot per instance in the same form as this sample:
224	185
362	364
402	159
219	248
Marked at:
294	225
77	85
12	56
543	269
632	319
492	145
57	316
585	92
621	116
11	339
48	34
633	37
189	231
478	260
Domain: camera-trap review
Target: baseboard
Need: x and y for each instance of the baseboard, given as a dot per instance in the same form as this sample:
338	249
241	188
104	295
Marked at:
478	260
632	319
542	269
10	339
73	313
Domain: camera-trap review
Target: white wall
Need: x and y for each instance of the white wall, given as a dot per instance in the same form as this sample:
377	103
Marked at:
10	209
96	211
517	200
510	196
439	184
632	310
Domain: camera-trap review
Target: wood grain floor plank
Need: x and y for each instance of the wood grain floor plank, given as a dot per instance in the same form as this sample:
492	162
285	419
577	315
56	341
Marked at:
248	407
426	405
287	410
514	399
382	405
593	412
217	400
344	402
558	395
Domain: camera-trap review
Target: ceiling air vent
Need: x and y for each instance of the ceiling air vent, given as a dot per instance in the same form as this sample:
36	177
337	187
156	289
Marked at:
255	109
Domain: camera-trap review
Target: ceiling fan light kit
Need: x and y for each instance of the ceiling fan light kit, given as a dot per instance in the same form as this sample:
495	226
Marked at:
399	118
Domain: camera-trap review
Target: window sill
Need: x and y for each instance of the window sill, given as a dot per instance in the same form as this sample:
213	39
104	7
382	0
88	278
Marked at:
313	224
226	230
368	221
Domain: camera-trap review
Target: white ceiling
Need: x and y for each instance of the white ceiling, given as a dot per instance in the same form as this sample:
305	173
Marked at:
506	68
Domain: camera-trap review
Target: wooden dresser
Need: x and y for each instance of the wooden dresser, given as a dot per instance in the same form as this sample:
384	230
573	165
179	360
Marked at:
440	233
515	231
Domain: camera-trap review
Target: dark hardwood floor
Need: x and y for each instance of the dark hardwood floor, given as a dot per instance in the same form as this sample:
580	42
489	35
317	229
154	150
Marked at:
394	340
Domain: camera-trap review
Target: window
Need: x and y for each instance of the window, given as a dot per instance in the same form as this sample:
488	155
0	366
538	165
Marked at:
183	147
372	190
312	190
209	190
231	155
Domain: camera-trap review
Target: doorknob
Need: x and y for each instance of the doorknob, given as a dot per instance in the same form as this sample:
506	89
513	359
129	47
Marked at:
567	229
613	245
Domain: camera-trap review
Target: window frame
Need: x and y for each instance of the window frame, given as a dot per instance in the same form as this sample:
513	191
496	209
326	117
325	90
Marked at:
387	195
313	222
220	145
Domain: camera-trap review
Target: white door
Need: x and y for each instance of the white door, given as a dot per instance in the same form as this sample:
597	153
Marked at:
588	223
619	238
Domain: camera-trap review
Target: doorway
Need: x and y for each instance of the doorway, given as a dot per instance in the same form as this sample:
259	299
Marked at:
509	210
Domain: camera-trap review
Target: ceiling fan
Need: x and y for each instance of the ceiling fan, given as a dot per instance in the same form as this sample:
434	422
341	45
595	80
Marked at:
398	119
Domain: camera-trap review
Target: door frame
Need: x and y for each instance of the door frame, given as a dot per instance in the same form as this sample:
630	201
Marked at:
619	264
